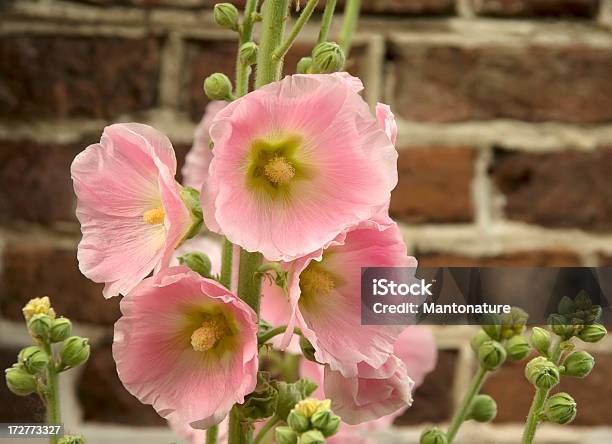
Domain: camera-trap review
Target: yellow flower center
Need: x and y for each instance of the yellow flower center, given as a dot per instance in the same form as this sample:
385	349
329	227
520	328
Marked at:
212	330
314	280
278	170
154	216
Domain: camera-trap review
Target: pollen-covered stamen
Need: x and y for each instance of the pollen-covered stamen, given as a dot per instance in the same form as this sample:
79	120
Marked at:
316	281
154	216
279	170
212	330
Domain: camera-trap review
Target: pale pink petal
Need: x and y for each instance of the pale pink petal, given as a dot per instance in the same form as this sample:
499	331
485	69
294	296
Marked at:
416	347
386	120
276	309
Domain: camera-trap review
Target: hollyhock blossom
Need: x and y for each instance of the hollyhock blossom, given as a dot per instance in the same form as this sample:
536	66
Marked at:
386	120
276	310
187	346
324	290
130	207
195	170
295	163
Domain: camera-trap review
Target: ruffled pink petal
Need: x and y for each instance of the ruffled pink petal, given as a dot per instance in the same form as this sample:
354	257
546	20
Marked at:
386	120
276	309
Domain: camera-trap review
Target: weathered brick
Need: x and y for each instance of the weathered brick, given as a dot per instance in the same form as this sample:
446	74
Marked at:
55	76
449	82
32	269
103	397
434	185
565	189
433	400
537	258
605	260
547	8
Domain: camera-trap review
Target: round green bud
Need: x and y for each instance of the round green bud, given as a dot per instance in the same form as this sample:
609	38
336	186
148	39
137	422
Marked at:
513	323
542	373
433	436
483	408
75	351
593	333
60	330
286	435
561	326
40	326
218	86
311	437
34	359
304	65
540	339
566	306
491	355
248	53
578	364
560	408
478	339
307	349
492	326
326	422
20	382
191	198
298	421
72	439
518	348
198	262
226	16
327	57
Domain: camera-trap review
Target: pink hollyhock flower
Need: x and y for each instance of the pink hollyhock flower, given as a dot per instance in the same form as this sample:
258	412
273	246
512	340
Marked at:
275	309
187	346
195	170
324	290
386	120
295	163
197	436
129	205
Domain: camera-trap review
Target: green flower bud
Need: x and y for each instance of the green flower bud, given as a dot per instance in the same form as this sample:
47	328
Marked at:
492	326
286	435
218	86
326	422
20	382
38	306
40	326
226	16
518	348
198	262
561	326
60	329
513	323
566	306
72	439
34	359
593	333
578	364
298	421
327	57
540	339
483	408
304	65
311	437
248	53
478	339
307	349
75	351
191	199
433	436
542	373
491	355
560	408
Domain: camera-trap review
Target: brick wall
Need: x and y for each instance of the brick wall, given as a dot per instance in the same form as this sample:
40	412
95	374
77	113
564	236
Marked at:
505	113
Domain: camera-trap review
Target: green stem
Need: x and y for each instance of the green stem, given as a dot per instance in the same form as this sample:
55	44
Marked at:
226	264
211	435
265	429
52	394
274	13
243	72
275	332
249	280
349	23
464	409
328	15
235	432
295	31
534	415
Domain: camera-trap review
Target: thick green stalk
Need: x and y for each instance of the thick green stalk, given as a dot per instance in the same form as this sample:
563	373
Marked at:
295	31
274	14
328	15
249	280
275	332
349	23
211	435
243	72
235	432
226	264
52	394
464	409
533	419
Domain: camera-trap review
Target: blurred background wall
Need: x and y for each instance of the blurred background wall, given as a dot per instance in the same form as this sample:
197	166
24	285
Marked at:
505	110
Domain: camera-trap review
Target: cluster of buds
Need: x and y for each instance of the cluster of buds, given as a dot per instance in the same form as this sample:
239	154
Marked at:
309	422
326	58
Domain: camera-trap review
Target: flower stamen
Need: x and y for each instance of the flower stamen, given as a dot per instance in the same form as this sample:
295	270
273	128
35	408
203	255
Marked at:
316	281
278	170
154	216
212	330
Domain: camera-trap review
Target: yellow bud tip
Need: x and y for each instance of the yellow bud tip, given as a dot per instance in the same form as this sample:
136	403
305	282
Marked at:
212	330
310	406
316	281
38	306
154	216
278	170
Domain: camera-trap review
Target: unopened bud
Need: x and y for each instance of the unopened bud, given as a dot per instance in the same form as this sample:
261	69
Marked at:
566	306
226	16
492	326
308	349
540	339
191	199
34	359
218	86
433	436
38	306
304	65
72	439
326	422
327	57
560	408
513	323
75	351
298	421
311	437
286	435
20	382
491	355
310	406
483	408
60	329
248	53
561	326
578	364
198	262
40	326
518	348
478	339
542	373
593	333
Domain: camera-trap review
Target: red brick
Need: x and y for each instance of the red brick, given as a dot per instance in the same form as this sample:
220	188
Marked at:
546	8
447	82
565	190
538	258
32	269
434	185
77	76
